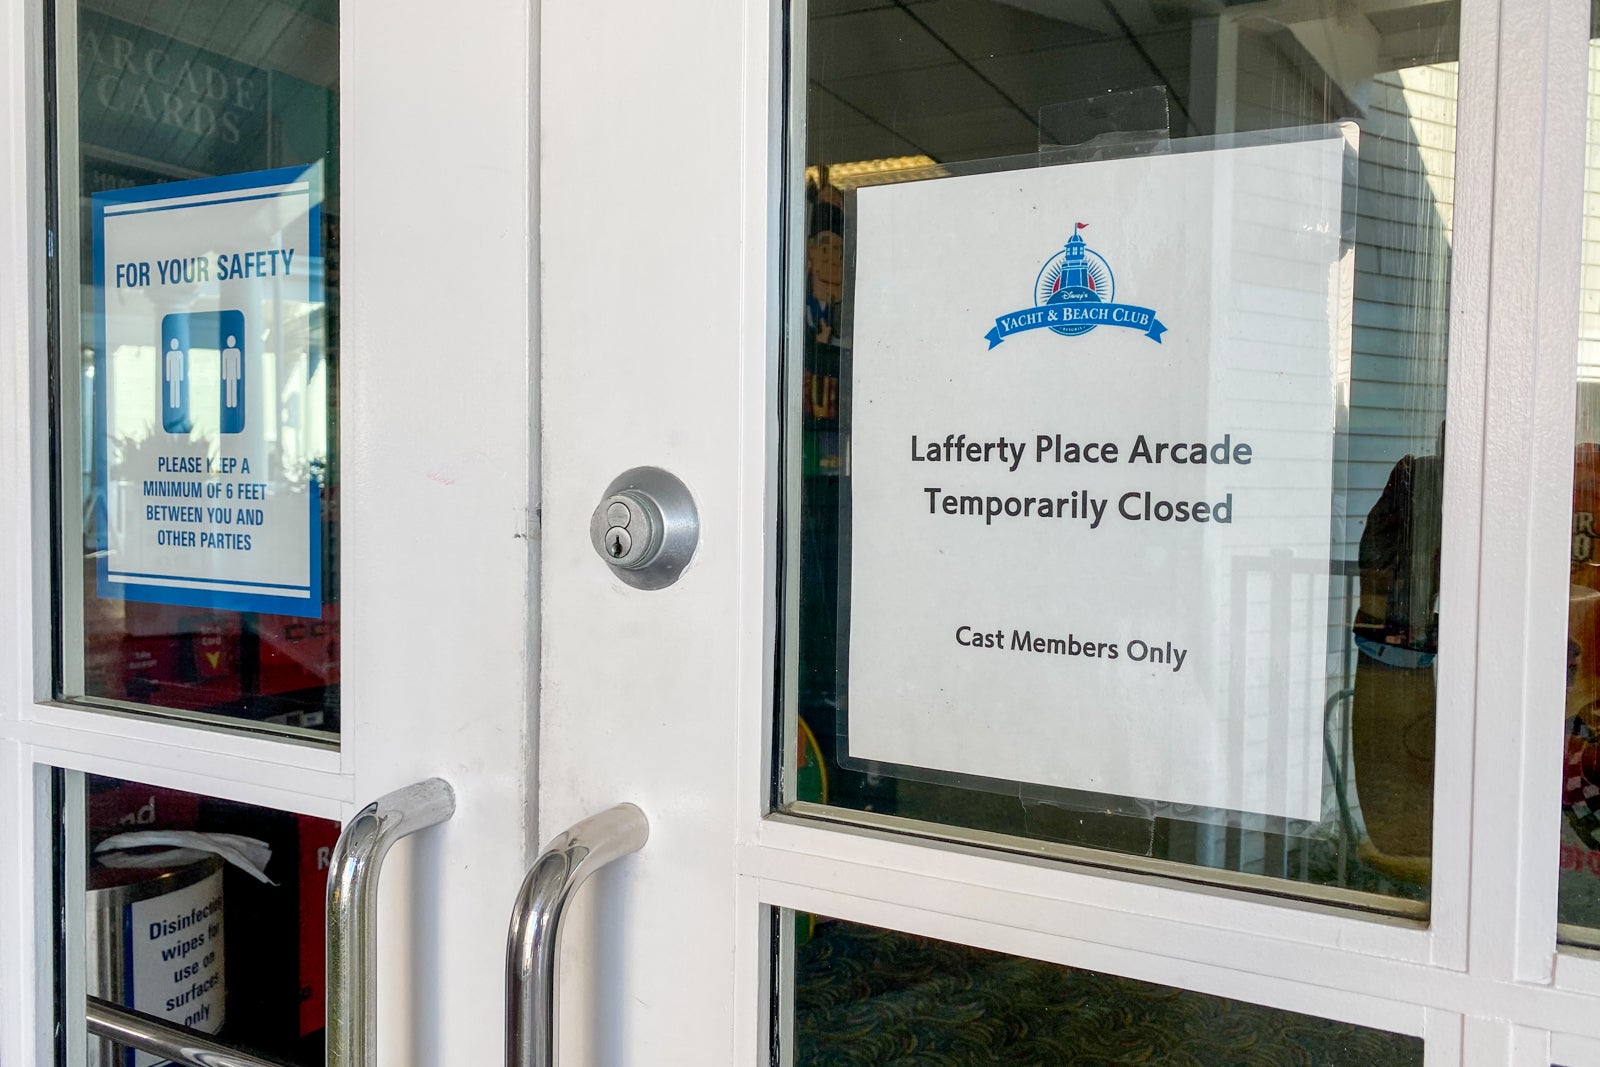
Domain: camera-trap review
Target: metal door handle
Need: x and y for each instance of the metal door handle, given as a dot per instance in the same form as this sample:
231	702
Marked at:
353	912
564	865
135	1029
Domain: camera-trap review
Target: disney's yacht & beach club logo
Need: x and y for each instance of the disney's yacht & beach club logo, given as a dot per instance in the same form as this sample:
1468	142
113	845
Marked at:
1076	292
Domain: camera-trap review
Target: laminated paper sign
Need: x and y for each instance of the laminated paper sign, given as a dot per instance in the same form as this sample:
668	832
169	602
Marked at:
1094	410
175	945
208	302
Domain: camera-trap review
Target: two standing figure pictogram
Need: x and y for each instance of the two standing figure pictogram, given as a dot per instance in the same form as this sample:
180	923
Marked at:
184	335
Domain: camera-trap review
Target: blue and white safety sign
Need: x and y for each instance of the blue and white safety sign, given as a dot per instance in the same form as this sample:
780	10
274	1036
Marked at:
210	390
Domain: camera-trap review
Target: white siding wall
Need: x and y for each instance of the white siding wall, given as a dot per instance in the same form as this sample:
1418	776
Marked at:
1589	315
1404	210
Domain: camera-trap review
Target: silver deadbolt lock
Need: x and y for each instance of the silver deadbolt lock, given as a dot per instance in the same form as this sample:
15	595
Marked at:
646	527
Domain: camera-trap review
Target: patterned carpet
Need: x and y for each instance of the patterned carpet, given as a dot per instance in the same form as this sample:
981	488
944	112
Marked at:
872	998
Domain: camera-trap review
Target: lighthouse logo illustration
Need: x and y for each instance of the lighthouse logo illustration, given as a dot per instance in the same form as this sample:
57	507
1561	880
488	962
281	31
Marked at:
1075	293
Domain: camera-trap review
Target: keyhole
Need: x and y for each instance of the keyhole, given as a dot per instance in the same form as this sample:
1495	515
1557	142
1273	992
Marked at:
616	544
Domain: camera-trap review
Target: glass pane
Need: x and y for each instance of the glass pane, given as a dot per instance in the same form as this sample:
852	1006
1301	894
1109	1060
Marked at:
196	358
865	997
207	913
994	635
1579	901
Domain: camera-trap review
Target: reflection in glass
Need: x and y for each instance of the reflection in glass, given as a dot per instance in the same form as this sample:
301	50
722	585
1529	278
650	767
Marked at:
865	997
916	91
1579	900
156	101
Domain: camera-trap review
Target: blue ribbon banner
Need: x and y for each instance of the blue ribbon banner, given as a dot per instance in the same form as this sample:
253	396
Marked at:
1077	313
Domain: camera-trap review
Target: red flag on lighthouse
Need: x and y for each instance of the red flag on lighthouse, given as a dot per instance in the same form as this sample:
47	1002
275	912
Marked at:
1083	225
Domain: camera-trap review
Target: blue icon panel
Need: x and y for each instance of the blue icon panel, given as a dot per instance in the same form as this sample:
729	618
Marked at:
182	335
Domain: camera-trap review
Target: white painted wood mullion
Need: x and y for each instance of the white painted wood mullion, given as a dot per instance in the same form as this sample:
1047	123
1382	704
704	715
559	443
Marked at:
1554	332
1569	1050
1192	940
1526	499
25	1007
1301	992
24	469
753	955
1485	1042
1441	1038
1579	971
280	788
863	862
773	102
91	731
1463	504
1152	947
1530	1047
20	1028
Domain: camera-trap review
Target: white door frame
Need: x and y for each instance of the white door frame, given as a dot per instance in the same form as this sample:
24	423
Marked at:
1482	982
439	545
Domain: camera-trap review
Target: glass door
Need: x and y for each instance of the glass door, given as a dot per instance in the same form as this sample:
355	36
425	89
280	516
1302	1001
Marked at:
269	529
1128	446
1124	464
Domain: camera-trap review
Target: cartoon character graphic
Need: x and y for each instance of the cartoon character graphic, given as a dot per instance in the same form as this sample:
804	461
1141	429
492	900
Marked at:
824	266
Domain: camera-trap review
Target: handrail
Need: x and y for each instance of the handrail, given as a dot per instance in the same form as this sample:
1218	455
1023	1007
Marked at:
135	1029
352	947
564	865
